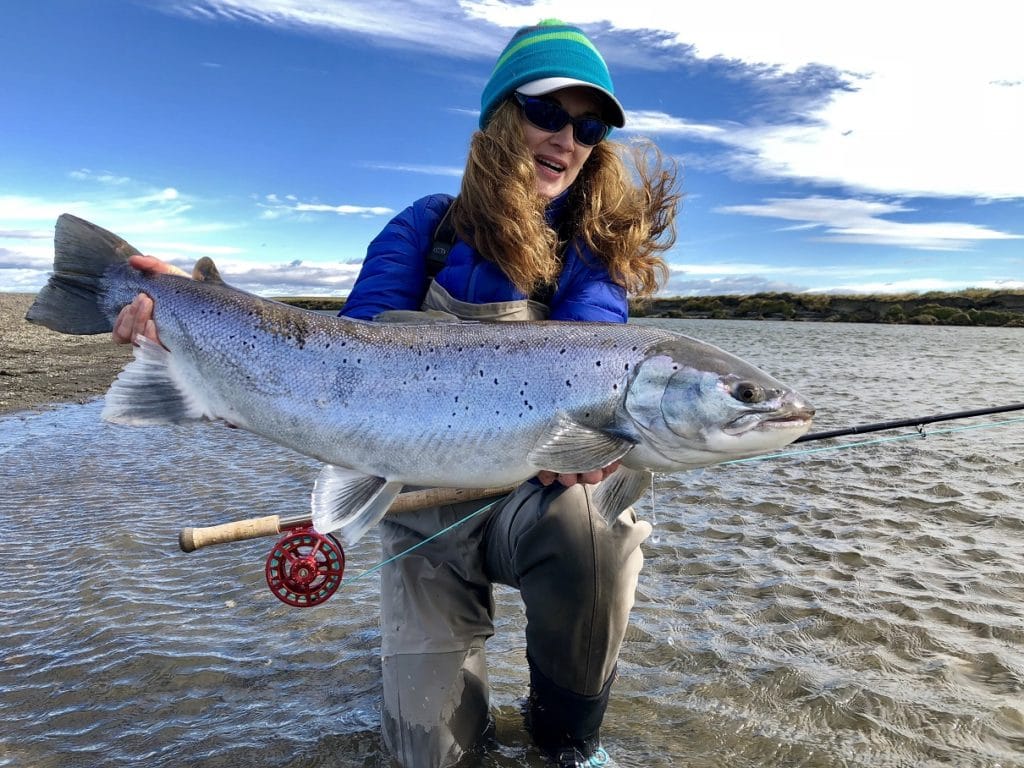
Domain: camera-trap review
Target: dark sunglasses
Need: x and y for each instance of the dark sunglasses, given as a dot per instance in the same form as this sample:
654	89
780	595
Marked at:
550	117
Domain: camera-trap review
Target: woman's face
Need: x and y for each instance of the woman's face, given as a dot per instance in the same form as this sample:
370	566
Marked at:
557	157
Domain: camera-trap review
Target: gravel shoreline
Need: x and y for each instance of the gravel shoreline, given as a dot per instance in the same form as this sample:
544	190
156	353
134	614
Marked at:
40	367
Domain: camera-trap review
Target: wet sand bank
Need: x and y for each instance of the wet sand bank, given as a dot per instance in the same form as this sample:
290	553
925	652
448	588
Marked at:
40	367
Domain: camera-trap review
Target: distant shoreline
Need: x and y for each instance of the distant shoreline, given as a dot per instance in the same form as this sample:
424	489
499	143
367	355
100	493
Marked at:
964	308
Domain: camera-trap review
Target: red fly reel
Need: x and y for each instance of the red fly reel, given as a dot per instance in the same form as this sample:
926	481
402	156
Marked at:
305	567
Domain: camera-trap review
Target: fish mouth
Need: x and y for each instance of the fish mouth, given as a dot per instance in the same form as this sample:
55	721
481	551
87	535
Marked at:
795	418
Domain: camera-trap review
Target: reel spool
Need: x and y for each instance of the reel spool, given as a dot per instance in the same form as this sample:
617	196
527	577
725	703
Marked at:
305	567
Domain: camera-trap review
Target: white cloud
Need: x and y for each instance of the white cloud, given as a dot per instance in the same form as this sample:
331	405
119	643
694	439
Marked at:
731	269
401	23
934	107
275	206
917	285
343	210
103	177
861	221
428	170
660	123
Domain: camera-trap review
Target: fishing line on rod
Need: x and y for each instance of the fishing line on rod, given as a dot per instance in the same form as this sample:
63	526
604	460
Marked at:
786	454
873	441
419	544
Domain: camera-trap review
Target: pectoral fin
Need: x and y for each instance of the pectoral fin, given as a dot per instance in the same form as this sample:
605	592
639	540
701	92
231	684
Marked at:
350	502
619	490
573	447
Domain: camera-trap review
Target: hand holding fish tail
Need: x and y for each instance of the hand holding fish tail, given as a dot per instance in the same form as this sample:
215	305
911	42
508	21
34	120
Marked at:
136	319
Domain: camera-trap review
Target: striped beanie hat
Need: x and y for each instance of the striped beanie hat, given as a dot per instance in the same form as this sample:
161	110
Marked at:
545	58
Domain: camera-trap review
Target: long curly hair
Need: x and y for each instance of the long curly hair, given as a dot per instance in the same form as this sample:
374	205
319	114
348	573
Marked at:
622	205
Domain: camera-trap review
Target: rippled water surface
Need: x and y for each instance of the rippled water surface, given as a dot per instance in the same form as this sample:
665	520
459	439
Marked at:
853	607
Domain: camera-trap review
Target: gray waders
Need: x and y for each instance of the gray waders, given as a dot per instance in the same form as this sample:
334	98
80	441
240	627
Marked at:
577	576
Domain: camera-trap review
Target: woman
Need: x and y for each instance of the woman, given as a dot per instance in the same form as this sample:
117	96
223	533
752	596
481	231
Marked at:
549	224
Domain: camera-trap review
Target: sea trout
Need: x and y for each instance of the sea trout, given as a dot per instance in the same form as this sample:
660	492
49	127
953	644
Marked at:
425	403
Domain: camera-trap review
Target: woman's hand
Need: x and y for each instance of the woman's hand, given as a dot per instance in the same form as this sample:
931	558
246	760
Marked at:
547	477
136	319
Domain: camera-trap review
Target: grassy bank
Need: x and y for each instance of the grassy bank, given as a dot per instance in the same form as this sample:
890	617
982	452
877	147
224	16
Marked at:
970	307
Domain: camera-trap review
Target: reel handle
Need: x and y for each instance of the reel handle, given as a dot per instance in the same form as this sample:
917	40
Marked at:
191	539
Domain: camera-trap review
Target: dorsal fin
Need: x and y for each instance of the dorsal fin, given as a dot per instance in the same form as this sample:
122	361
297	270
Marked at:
205	271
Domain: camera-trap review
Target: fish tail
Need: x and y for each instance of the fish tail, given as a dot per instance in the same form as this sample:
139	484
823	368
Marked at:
76	300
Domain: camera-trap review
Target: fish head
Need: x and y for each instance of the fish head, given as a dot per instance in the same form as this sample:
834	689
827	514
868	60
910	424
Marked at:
689	404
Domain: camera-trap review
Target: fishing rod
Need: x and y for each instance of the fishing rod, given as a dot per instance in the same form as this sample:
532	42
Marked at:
305	567
920	421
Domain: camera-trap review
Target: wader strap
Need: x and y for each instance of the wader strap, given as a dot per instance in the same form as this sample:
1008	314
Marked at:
444	239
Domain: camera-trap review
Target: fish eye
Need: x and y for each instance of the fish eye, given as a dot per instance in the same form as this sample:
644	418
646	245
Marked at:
746	392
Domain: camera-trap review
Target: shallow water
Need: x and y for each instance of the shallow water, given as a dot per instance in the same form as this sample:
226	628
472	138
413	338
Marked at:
853	607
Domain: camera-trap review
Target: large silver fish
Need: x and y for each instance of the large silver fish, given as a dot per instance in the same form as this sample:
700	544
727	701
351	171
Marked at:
437	404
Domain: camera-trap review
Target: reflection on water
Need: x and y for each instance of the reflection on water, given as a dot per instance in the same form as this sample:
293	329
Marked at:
858	607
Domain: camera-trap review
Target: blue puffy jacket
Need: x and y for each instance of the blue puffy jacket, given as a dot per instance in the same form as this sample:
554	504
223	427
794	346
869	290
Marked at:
394	273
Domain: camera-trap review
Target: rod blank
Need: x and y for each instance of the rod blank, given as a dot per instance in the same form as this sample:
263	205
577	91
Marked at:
860	429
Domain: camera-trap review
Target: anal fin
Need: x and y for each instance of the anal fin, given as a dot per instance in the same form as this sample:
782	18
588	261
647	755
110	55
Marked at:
350	502
621	489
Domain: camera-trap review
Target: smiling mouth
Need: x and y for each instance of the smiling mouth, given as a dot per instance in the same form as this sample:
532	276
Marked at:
550	164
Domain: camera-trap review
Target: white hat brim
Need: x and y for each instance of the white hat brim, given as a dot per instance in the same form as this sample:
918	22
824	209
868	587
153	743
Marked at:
546	85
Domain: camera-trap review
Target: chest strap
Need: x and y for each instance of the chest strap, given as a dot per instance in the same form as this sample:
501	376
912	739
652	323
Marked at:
441	246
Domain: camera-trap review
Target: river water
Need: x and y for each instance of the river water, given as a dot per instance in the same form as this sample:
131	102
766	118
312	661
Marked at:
859	606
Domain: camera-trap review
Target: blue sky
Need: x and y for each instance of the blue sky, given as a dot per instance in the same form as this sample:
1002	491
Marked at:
825	146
